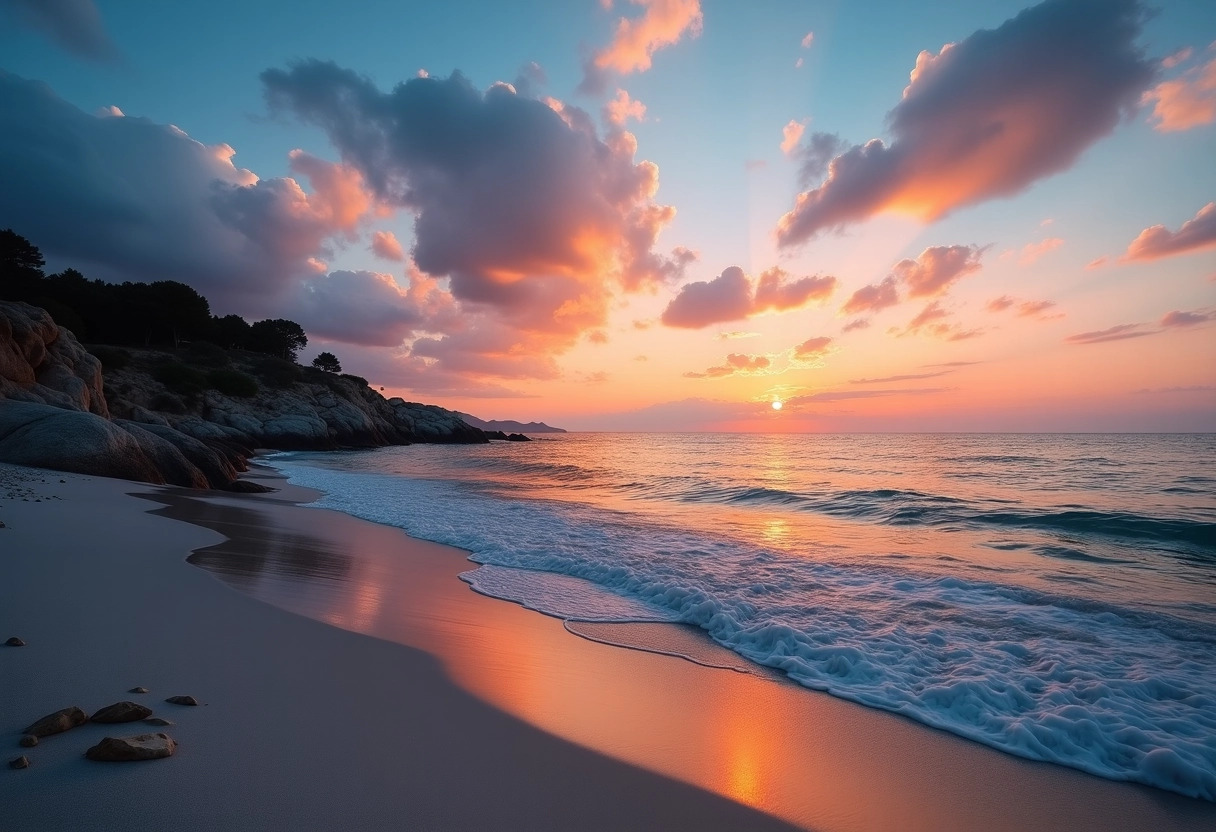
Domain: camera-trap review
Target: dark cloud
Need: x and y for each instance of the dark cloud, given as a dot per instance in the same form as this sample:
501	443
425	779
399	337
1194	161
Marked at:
814	153
988	116
356	308
127	199
1158	241
532	217
75	25
731	297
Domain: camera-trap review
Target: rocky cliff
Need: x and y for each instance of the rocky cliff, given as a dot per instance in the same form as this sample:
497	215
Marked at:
189	417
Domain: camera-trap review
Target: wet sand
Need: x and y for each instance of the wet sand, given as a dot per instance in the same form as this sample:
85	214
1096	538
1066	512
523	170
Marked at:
714	722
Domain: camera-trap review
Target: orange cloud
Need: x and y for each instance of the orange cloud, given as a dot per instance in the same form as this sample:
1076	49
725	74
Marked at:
791	134
637	39
386	245
737	364
622	107
987	117
872	298
1031	252
933	272
812	348
1158	241
1185	102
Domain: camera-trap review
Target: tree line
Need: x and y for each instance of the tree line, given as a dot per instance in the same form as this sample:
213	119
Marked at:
161	313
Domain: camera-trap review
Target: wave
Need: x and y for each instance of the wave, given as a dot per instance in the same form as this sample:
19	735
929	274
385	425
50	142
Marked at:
1117	692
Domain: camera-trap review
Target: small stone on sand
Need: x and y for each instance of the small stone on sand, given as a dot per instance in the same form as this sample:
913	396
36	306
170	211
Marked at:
122	712
58	722
131	749
21	762
139	689
28	741
159	720
14	641
182	700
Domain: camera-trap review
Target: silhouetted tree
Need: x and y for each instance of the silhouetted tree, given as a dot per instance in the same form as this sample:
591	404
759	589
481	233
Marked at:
20	266
277	337
231	332
328	362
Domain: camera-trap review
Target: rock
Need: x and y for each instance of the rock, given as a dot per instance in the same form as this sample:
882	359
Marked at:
58	722
247	487
28	741
517	437
139	689
168	460
122	712
2	526
182	700
21	762
159	720
14	641
42	362
130	749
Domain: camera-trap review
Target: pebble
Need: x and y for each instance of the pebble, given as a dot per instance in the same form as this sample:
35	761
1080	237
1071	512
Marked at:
28	741
21	762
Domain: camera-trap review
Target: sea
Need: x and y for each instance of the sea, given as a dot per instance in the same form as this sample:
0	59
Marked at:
1051	596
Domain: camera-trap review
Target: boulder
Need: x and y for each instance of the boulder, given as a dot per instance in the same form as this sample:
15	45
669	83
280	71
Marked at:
182	700
169	462
138	689
14	642
57	722
130	749
122	712
43	363
159	720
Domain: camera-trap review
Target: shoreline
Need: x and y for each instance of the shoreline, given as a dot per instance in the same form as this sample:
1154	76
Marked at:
814	760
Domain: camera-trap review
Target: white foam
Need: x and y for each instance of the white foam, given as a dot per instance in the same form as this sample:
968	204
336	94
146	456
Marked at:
1118	693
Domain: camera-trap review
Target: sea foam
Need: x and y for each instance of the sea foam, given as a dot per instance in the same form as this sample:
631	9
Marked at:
1118	692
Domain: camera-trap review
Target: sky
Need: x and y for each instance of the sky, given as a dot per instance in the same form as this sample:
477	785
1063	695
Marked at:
657	214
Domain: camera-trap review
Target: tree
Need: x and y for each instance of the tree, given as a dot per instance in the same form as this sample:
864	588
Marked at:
20	266
328	362
231	332
277	337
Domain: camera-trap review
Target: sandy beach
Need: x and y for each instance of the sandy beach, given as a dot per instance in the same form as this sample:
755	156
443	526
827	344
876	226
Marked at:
423	705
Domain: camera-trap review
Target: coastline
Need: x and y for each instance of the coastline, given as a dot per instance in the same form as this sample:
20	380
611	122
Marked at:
817	761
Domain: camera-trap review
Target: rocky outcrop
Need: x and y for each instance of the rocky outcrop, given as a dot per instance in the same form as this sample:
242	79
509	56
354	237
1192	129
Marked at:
55	414
41	362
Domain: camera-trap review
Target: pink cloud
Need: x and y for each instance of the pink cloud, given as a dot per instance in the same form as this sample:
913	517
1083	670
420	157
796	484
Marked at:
857	323
987	117
1031	252
812	348
1182	55
737	364
791	134
386	245
1114	333
731	296
1000	304
872	298
1158	241
1185	102
622	108
635	41
807	40
937	268
1037	309
908	377
1183	319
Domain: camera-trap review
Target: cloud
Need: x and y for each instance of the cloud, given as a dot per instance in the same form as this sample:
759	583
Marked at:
807	40
636	40
1031	252
1185	102
930	320
1114	333
791	134
1183	319
1158	241
535	220
872	298
814	152
737	334
932	273
857	323
830	396
1000	304
812	348
738	364
356	307
1025	309
889	379
75	25
622	108
1182	55
386	245
125	198
731	296
987	117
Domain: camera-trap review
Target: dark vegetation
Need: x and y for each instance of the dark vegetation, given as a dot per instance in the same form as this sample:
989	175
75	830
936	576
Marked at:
167	315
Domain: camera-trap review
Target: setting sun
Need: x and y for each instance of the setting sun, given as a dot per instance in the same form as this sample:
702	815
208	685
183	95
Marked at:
777	404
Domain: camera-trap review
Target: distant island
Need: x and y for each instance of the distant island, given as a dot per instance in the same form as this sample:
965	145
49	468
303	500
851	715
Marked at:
508	425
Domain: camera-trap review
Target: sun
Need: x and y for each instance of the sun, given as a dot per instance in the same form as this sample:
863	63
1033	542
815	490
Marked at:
776	404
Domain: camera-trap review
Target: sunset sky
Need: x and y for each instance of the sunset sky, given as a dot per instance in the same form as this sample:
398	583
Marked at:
657	214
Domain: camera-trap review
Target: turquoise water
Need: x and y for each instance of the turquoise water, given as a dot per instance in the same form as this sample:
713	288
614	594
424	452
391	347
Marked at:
1050	596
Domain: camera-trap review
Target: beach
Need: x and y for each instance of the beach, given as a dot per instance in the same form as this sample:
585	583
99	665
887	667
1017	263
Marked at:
424	705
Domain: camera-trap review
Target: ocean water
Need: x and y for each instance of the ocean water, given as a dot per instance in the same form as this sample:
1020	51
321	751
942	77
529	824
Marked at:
1053	597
